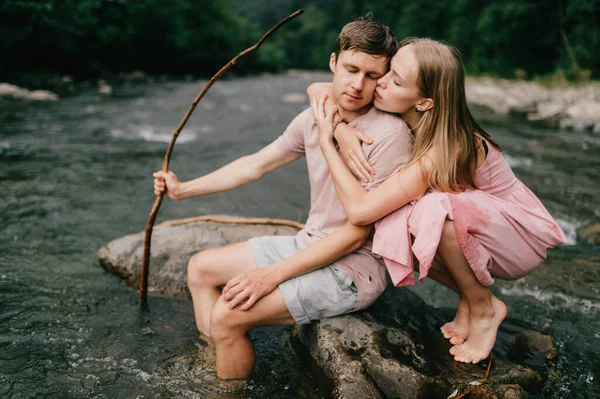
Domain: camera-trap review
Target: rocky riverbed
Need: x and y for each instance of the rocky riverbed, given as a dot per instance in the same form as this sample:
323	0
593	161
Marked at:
394	349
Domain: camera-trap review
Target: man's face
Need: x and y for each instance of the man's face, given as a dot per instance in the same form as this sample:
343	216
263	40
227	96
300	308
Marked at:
355	77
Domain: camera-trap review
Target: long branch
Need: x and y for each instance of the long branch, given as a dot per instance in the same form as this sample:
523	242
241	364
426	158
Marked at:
165	164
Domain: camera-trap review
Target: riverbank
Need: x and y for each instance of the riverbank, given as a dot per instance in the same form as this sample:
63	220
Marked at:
575	107
570	107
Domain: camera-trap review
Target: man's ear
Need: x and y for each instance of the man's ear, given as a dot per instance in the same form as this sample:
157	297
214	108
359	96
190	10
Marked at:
332	62
425	104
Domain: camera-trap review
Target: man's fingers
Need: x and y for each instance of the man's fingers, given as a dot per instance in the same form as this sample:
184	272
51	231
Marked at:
249	303
232	283
233	291
238	299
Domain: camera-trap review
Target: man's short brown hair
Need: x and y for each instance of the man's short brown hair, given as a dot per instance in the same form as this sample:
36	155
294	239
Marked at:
368	36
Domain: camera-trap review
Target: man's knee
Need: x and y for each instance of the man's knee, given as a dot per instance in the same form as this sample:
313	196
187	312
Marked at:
200	270
225	324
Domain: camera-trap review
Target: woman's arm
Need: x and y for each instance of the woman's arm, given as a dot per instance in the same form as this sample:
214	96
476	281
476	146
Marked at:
348	142
319	89
255	284
364	207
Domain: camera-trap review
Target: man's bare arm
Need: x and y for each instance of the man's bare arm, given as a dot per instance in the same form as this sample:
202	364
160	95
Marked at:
235	174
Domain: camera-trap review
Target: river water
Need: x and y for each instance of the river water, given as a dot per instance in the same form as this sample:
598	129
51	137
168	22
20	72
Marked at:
76	174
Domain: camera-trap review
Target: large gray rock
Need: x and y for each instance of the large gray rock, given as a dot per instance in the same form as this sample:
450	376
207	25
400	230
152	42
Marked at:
173	244
394	349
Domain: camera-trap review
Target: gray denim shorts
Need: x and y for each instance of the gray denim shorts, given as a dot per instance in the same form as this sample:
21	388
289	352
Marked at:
324	292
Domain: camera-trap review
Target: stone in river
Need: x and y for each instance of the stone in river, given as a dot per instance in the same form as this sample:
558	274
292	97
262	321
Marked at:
173	244
590	234
393	349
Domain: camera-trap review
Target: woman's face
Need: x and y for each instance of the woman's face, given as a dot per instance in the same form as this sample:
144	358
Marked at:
397	91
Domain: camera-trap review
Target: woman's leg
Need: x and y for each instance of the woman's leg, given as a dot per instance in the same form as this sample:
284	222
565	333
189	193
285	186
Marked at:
458	329
486	312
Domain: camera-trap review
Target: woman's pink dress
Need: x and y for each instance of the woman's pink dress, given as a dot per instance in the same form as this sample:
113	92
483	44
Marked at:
502	228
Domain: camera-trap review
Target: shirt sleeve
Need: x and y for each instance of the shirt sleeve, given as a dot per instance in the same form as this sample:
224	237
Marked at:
292	139
388	155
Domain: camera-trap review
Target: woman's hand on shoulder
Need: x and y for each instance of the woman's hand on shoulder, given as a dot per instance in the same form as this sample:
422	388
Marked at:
349	140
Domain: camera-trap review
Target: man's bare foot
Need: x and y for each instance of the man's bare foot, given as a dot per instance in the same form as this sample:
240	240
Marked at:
457	330
482	335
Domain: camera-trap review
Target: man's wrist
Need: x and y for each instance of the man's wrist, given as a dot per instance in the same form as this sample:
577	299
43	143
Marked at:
180	191
275	273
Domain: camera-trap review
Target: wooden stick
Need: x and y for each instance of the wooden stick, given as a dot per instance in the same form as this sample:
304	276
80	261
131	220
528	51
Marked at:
165	164
234	220
487	374
489	367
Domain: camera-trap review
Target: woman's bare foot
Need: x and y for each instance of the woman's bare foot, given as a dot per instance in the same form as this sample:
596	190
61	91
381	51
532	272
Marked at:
457	330
482	334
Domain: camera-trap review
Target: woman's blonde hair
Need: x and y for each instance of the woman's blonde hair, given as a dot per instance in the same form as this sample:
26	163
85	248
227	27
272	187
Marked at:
448	126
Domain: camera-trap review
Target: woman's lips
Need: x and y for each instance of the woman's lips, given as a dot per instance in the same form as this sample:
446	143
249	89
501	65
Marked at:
377	96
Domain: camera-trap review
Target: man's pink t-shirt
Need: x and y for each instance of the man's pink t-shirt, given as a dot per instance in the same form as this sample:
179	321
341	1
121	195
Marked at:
391	149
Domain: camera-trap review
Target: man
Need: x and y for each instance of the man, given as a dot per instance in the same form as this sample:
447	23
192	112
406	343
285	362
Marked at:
350	283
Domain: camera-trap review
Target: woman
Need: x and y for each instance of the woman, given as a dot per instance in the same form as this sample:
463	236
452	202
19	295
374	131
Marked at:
456	207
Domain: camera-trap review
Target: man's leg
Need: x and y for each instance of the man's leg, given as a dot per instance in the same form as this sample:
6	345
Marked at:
229	331
208	271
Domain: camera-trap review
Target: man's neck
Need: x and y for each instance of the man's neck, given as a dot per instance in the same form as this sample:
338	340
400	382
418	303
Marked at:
349	116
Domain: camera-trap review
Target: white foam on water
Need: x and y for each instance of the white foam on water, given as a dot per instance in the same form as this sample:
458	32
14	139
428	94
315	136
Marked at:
149	133
206	129
156	134
4	145
570	230
518	162
583	305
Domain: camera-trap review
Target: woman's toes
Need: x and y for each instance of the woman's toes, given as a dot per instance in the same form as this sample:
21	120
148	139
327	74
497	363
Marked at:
456	340
455	350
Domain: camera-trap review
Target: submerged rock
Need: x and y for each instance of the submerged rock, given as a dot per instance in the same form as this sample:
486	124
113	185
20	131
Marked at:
393	349
590	234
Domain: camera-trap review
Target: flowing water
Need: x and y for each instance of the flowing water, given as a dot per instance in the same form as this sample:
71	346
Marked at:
76	174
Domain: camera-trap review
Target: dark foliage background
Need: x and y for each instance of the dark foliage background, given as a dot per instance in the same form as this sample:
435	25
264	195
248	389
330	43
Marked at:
95	37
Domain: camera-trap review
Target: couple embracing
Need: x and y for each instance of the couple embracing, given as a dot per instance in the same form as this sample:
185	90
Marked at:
413	184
